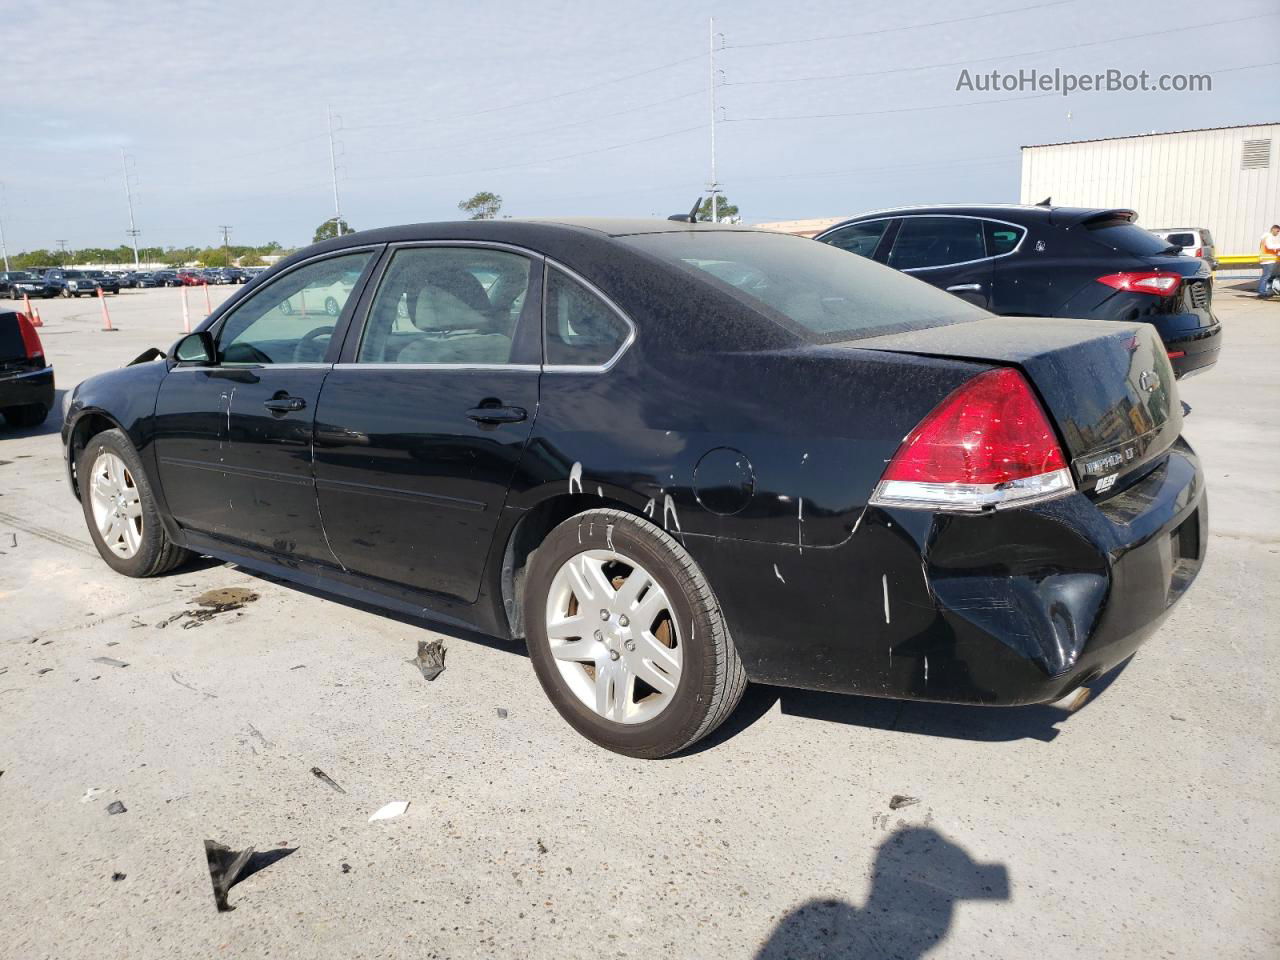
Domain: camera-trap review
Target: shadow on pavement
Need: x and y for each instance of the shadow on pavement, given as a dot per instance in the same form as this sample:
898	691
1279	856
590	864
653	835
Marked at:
918	879
52	423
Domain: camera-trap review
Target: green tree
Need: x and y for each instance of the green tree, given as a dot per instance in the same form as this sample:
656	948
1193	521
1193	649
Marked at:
725	209
483	206
333	227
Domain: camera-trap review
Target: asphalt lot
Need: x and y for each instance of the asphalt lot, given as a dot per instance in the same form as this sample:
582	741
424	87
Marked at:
1145	825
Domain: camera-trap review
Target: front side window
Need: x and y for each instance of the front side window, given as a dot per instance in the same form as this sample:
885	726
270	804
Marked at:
581	329
936	242
292	319
859	238
446	305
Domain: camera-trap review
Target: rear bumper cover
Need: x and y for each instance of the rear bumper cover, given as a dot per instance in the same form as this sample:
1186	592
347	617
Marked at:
1198	345
1019	606
26	389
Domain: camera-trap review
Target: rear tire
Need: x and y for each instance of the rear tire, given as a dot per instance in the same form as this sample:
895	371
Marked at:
147	551
31	415
680	669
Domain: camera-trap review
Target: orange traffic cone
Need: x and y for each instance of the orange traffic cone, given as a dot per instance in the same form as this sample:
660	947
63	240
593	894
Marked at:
106	314
31	313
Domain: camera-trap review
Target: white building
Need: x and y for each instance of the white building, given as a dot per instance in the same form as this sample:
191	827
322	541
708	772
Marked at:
1224	178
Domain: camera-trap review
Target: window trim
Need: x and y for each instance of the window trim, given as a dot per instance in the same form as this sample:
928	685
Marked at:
595	291
933	216
341	321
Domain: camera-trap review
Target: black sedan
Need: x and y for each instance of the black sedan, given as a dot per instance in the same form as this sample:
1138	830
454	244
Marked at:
670	458
26	379
1047	261
17	284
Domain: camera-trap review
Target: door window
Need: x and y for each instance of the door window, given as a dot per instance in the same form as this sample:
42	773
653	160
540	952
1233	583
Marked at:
859	238
291	319
581	329
936	242
446	305
1002	238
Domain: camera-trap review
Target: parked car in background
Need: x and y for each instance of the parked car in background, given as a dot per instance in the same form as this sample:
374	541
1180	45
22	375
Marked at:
166	278
213	275
908	497
1192	242
191	278
146	280
19	283
71	283
26	378
100	279
1046	261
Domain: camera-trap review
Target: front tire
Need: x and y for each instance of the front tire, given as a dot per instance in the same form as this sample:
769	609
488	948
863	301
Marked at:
120	509
626	636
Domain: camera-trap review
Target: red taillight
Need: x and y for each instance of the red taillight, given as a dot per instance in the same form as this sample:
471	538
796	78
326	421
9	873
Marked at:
1155	282
1199	251
987	444
30	339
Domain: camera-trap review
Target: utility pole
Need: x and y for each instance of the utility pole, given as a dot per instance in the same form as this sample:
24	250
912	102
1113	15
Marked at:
133	230
4	250
62	252
333	169
713	187
226	249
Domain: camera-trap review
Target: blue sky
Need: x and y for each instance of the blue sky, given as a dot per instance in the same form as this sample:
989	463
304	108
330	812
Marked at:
567	107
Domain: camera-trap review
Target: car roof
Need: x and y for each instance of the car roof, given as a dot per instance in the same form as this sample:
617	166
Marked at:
1020	213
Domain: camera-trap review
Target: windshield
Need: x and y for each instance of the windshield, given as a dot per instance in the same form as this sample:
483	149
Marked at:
822	293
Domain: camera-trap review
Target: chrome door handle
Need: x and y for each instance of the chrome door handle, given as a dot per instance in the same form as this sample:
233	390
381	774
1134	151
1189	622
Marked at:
497	414
285	404
964	286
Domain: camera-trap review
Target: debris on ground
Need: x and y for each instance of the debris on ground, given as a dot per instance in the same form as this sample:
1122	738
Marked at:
542	847
43	670
115	806
502	713
430	658
225	866
110	661
392	809
257	734
90	794
211	603
321	775
173	675
117	876
898	800
346	868
299	666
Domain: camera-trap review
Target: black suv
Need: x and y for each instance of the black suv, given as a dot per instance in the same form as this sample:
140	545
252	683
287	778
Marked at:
15	284
1048	261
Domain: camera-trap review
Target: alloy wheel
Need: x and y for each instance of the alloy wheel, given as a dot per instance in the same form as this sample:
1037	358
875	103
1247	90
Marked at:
613	634
117	505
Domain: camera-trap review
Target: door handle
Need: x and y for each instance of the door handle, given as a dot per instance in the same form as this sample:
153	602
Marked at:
497	414
285	404
961	287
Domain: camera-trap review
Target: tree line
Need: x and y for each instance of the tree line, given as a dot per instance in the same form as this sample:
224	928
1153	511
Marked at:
245	256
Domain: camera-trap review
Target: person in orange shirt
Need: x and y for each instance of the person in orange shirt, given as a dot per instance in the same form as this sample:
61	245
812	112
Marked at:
1268	254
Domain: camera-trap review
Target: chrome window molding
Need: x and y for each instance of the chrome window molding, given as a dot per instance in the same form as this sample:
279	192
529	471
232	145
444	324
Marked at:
954	216
368	365
598	293
200	365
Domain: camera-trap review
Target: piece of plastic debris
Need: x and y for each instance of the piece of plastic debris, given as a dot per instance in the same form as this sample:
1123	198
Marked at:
430	658
299	666
225	866
41	672
502	713
321	775
118	876
898	800
90	794
346	868
115	806
542	847
392	809
110	661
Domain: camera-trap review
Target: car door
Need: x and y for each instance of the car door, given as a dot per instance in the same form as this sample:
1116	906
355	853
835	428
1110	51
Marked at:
421	426
233	439
946	251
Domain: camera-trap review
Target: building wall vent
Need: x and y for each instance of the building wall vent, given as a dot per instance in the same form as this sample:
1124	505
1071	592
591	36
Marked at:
1256	155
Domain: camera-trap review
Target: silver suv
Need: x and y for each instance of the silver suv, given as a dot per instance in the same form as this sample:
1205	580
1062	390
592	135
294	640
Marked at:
1194	241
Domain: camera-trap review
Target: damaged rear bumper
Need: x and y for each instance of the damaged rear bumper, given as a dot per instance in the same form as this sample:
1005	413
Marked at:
1013	607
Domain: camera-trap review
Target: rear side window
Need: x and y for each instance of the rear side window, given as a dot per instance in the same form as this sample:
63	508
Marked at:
816	291
936	242
581	329
1128	238
859	238
1002	238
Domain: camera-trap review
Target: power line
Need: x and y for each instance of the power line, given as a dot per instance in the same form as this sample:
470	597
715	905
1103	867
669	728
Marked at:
872	113
912	26
1007	56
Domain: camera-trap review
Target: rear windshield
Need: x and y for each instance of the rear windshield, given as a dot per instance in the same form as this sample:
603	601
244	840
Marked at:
817	291
1129	238
1183	239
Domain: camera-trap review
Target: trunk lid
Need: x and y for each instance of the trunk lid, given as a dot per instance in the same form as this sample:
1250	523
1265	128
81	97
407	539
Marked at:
1108	386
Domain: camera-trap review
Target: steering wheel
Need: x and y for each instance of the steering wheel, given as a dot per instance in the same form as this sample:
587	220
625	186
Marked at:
305	351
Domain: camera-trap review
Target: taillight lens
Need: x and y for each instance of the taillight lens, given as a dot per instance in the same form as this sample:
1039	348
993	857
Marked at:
30	339
1199	251
988	444
1155	282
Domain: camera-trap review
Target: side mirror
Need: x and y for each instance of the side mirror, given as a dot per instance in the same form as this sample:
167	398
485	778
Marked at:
196	347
